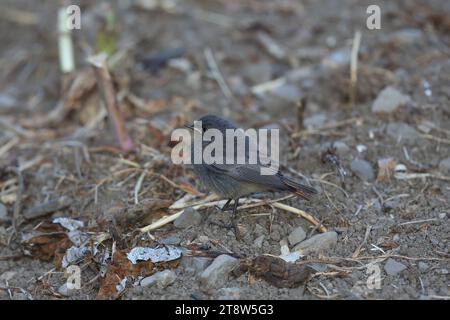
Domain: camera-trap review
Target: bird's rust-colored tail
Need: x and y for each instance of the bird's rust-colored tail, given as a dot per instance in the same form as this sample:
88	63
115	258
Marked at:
299	189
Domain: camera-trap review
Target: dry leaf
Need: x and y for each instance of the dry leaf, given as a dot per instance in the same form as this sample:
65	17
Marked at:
386	169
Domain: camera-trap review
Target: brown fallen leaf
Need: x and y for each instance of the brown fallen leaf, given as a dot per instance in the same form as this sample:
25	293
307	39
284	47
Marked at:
81	86
386	167
121	267
60	251
276	271
45	241
389	245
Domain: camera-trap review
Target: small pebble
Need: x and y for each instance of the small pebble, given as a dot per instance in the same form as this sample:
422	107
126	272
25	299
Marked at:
362	169
393	267
317	244
161	279
190	217
4	213
296	236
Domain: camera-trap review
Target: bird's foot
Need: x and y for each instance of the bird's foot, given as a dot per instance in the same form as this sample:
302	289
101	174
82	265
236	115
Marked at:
227	226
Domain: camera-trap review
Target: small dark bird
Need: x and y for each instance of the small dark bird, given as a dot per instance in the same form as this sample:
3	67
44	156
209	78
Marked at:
233	181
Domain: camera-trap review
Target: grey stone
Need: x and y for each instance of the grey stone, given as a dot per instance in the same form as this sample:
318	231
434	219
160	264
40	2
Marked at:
389	100
7	102
64	291
258	72
391	204
287	92
423	266
401	132
190	217
259	241
362	169
229	293
193	80
407	36
444	166
296	236
393	267
194	265
337	58
443	271
4	213
170	241
237	85
318	243
341	147
319	267
217	272
315	121
161	279
275	235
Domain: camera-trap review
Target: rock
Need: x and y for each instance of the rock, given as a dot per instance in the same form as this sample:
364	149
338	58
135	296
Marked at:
258	72
275	235
48	207
194	265
318	243
341	148
402	132
362	169
7	276
4	213
287	92
64	291
202	239
443	271
182	64
217	273
442	215
259	241
361	148
444	166
393	267
229	293
389	100
7	102
296	236
423	266
190	217
174	241
314	121
337	58
406	36
161	279
193	80
238	86
391	204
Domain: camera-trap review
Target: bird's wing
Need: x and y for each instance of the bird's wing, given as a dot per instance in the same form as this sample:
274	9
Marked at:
250	173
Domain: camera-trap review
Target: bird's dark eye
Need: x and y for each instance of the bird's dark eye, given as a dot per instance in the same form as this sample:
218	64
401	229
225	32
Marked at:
204	129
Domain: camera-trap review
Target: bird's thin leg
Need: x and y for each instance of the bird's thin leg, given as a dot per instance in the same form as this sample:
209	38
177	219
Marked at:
225	206
223	209
236	204
234	219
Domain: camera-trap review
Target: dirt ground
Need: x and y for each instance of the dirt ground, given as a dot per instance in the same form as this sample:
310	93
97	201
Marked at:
71	162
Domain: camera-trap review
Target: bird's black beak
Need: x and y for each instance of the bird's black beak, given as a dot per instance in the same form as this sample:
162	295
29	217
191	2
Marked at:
191	126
